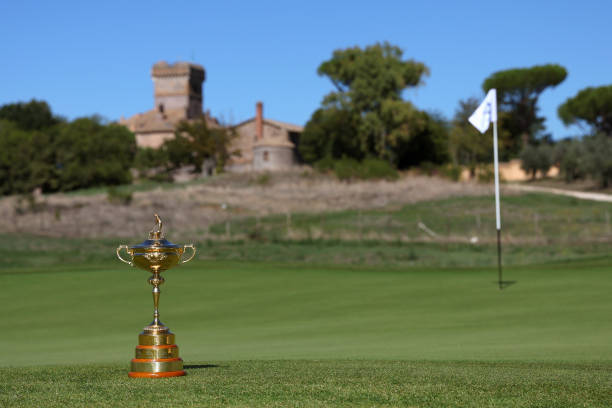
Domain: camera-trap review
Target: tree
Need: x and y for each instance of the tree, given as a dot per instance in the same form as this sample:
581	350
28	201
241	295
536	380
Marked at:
365	78
536	158
40	150
28	136
518	91
330	133
44	169
34	115
365	116
589	156
592	106
570	155
195	142
16	153
152	163
428	141
598	158
90	153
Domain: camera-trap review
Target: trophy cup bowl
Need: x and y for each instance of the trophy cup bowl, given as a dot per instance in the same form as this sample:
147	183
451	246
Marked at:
156	353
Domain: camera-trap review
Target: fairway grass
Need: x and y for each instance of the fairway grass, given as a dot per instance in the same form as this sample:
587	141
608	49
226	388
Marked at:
236	311
326	383
273	334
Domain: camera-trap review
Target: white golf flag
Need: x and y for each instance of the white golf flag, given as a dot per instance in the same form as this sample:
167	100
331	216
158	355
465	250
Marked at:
486	112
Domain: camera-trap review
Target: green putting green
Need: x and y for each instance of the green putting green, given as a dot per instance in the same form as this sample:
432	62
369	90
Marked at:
235	311
313	335
323	383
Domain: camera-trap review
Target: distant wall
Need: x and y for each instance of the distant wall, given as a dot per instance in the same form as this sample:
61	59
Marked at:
273	157
153	140
244	142
511	171
239	168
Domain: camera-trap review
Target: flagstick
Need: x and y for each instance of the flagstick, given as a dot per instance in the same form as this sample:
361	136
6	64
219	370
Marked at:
497	211
481	119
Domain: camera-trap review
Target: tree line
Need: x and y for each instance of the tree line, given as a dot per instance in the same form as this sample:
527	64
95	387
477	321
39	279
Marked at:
366	116
42	150
364	128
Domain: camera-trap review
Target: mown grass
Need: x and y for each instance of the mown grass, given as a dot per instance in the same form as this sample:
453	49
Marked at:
318	322
264	334
238	311
327	383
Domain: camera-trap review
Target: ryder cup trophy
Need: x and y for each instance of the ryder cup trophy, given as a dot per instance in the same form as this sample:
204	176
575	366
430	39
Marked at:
156	354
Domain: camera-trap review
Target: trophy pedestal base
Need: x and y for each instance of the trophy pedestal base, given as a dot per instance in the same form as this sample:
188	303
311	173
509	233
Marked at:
156	357
138	374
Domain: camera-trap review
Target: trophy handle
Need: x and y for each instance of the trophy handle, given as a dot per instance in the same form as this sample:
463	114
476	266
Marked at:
119	248
193	252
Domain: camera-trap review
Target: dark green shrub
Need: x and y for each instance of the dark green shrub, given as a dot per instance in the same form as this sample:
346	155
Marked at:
536	158
16	155
330	133
325	164
428	168
351	169
263	179
118	196
347	169
598	158
152	163
377	169
485	173
90	154
569	154
451	172
425	141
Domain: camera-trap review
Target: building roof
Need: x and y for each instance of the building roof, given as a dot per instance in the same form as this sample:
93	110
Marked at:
154	121
289	126
277	123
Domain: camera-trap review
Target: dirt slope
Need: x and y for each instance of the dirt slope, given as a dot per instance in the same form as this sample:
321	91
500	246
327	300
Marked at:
189	209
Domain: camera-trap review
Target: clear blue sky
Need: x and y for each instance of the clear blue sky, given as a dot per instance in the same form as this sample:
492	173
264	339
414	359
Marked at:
95	57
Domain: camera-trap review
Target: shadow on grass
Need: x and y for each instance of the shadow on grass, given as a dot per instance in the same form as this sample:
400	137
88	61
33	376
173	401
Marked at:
505	284
199	366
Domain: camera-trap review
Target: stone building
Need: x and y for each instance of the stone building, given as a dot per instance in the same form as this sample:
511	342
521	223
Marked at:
264	144
177	96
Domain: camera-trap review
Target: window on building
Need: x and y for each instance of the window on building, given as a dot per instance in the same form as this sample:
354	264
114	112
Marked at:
266	156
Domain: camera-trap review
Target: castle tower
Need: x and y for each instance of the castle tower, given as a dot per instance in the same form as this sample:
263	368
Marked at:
178	87
177	95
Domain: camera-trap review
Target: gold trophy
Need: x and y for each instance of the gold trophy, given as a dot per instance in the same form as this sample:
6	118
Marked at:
156	354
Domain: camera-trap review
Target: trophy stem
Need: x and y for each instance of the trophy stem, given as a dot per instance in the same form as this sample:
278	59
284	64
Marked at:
156	280
156	293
